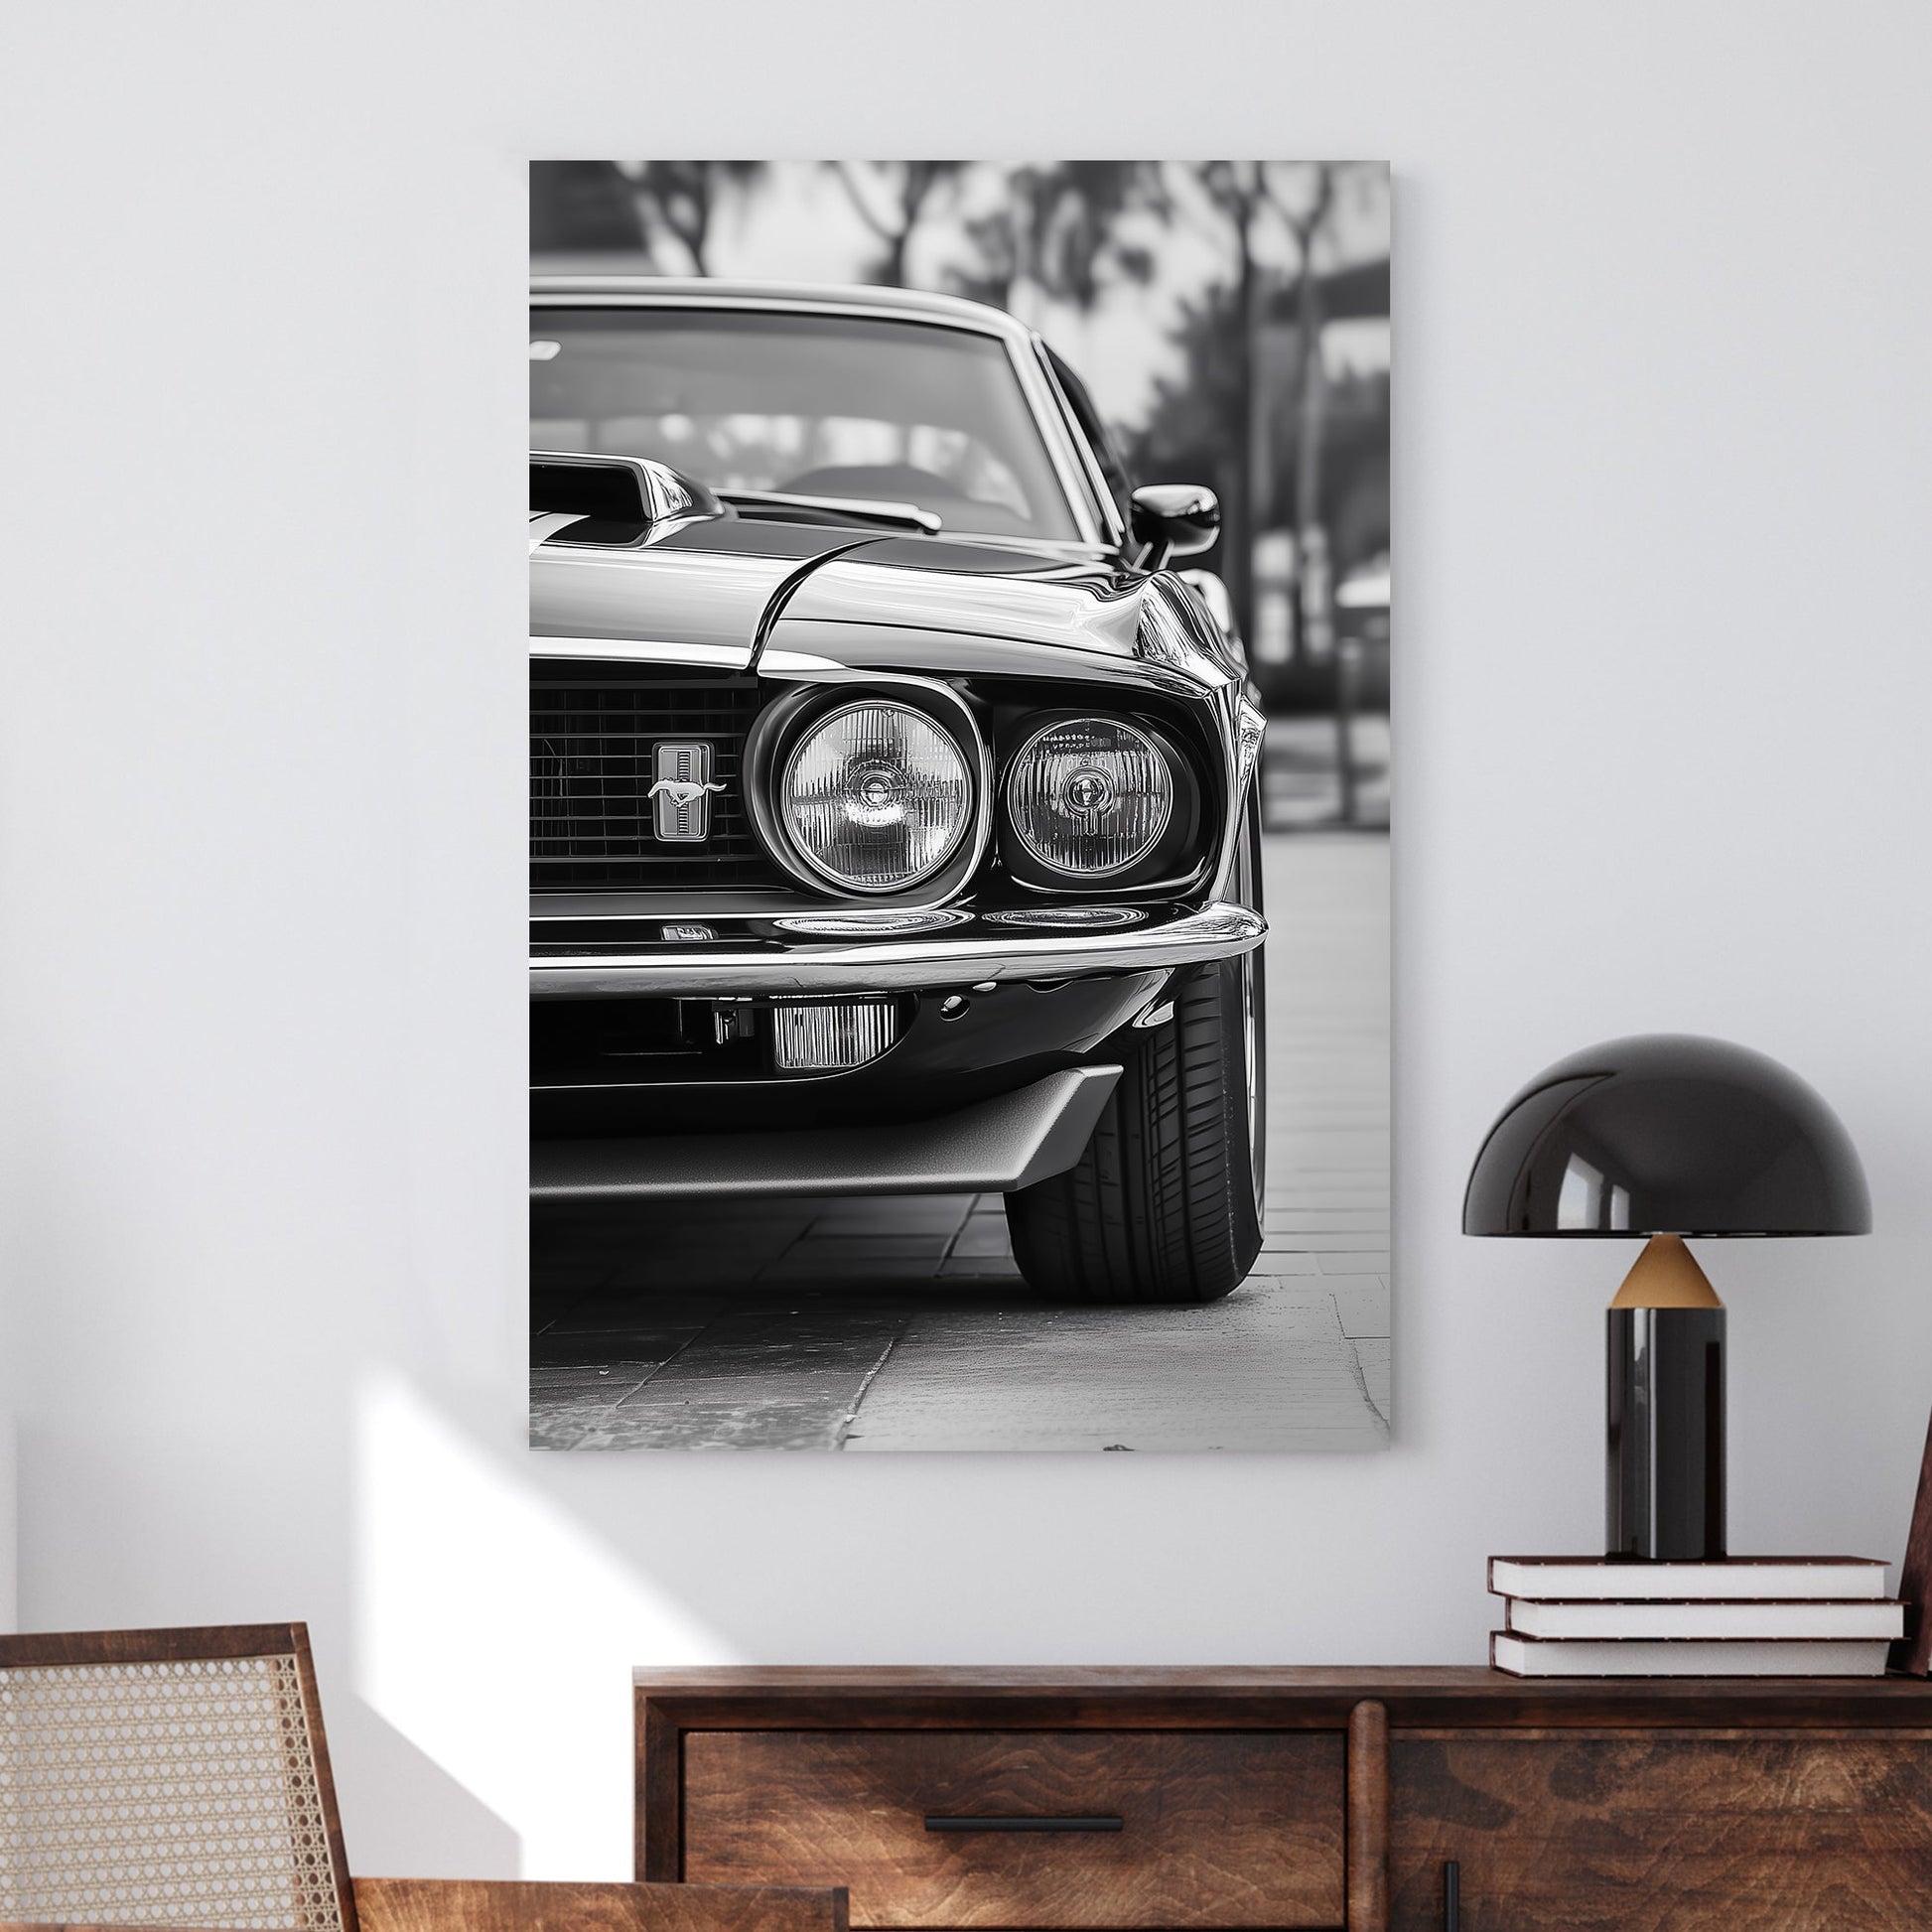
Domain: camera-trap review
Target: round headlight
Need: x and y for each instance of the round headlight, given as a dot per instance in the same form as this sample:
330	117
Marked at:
1089	796
876	796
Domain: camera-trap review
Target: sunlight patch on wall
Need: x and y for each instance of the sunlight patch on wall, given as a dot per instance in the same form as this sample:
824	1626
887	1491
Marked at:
498	1635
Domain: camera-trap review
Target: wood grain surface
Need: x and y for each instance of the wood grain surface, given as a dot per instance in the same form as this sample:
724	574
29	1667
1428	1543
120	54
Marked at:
1368	1817
1647	1804
498	1905
184	1644
1250	1698
1647	1832
1218	1830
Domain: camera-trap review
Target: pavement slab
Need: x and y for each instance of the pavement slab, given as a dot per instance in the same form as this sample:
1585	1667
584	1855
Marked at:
1250	1372
754	1379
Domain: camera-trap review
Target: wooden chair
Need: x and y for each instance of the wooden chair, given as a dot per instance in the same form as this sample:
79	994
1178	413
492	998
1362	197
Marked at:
181	1779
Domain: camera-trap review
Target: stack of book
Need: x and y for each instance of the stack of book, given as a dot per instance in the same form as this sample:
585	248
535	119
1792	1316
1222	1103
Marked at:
1747	1617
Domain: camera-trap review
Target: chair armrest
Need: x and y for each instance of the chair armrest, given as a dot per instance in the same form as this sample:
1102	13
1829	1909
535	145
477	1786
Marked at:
513	1905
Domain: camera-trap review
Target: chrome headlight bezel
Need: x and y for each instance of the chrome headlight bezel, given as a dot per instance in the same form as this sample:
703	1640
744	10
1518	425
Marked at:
779	734
959	780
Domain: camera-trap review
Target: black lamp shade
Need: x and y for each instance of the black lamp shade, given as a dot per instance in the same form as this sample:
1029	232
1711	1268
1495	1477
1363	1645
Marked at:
1667	1133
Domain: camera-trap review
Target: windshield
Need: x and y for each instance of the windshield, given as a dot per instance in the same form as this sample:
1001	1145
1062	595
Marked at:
807	405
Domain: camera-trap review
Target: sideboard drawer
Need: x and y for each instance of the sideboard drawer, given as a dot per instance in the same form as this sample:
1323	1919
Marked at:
1668	1830
1014	1828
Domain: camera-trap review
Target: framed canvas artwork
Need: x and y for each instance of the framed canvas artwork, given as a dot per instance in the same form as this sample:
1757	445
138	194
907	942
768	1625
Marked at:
959	805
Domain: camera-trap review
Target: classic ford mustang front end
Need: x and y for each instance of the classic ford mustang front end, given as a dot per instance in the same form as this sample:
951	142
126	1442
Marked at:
893	806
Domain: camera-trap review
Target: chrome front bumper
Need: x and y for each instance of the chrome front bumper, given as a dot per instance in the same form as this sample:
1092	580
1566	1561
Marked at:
1218	931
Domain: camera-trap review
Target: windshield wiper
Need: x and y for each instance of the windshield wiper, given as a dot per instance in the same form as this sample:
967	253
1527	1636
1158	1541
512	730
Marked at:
898	517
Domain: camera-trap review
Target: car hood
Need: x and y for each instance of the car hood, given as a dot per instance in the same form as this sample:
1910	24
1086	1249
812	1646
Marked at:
711	586
728	590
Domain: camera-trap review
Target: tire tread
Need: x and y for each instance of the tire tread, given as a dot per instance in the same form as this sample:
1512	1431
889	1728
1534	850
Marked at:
1160	1207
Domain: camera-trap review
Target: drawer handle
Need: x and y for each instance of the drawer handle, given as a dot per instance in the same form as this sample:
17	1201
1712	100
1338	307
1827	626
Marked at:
935	1823
1451	1896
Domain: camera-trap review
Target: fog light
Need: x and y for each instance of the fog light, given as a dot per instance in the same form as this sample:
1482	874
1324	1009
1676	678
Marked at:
830	1036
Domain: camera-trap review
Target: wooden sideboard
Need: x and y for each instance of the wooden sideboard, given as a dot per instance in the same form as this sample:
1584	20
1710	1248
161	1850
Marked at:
1234	1797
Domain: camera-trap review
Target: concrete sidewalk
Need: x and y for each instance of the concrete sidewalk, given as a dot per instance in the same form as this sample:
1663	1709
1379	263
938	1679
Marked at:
902	1324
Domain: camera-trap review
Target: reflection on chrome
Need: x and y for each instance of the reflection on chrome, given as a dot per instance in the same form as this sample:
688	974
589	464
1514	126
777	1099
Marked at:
1583	1202
861	925
1069	915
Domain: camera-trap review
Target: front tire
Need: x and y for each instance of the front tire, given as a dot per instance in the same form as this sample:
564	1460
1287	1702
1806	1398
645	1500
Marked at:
1163	1204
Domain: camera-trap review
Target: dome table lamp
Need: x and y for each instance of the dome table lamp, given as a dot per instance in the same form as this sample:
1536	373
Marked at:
1669	1136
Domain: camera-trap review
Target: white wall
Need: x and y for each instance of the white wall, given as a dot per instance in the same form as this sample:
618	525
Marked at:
1665	287
9	1539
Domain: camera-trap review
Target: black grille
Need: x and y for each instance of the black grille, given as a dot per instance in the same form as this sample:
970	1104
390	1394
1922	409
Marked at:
590	743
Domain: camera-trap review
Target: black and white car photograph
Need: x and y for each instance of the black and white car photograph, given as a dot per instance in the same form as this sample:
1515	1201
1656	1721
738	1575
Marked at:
959	804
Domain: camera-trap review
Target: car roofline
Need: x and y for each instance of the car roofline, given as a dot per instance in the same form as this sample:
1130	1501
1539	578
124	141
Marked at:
694	291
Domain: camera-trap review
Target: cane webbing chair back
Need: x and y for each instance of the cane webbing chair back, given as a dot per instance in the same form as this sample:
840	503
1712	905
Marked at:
168	1778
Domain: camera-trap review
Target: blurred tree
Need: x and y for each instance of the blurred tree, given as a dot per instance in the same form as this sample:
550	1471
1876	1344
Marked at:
1301	198
1194	427
1195	424
1057	229
681	199
1192	422
584	206
1305	217
1241	193
1355	503
889	198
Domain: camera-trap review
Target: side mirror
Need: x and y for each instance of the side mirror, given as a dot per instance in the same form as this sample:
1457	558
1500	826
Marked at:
1175	520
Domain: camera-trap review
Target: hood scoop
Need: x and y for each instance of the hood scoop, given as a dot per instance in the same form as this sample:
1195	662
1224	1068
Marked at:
609	501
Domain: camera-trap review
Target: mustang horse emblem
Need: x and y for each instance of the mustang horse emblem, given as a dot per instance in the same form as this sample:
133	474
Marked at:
681	791
680	800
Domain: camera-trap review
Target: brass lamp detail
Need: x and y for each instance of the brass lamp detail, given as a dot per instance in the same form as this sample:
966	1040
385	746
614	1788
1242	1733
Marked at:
1666	1274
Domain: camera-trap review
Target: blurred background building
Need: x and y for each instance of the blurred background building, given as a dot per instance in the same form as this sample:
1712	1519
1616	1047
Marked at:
1230	318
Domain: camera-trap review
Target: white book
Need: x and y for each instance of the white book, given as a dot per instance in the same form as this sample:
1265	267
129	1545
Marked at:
1873	1618
1591	1579
1522	1656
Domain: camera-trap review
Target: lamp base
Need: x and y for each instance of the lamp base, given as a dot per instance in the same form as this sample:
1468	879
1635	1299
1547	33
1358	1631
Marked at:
1665	1362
